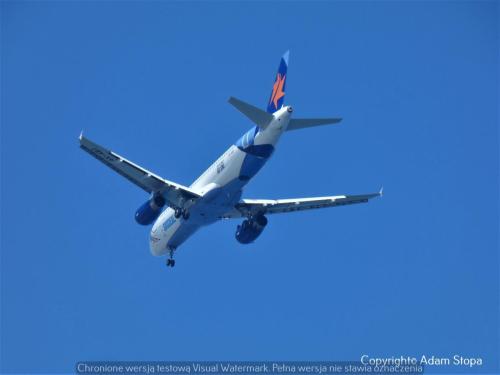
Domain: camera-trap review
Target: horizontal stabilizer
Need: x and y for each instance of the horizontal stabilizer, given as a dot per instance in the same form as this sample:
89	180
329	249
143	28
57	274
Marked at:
257	116
300	123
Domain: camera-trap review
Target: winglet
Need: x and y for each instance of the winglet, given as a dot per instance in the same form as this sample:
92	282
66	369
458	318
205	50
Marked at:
381	191
80	136
286	56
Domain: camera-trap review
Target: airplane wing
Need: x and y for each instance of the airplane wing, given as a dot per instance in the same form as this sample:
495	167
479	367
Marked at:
252	207
174	193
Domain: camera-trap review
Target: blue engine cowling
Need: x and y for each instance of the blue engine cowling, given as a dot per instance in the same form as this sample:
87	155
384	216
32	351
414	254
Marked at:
250	229
149	211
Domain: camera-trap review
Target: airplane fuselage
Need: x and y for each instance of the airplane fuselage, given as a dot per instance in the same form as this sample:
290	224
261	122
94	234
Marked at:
217	193
220	186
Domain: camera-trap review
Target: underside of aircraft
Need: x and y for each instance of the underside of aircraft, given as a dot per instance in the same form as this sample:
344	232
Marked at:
177	211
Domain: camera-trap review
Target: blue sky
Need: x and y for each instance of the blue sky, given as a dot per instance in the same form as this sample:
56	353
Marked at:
413	273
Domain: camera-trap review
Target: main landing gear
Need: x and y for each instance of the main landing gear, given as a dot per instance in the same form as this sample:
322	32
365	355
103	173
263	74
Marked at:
170	259
181	212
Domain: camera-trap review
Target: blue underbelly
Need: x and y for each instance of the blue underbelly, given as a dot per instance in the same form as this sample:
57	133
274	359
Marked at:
250	166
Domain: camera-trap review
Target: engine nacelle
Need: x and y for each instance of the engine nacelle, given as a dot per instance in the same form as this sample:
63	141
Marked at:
250	229
149	211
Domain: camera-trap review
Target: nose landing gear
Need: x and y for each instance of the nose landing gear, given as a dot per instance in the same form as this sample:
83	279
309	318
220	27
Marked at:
170	259
170	262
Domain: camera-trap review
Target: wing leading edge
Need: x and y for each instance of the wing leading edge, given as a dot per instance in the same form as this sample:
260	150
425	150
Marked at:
174	193
253	207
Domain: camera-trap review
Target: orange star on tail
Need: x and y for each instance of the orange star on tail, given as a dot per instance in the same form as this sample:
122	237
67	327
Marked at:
278	92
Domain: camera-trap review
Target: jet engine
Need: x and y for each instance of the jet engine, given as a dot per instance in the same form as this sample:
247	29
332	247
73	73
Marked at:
149	211
250	229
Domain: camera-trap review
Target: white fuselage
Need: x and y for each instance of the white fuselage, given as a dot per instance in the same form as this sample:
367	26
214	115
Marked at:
220	185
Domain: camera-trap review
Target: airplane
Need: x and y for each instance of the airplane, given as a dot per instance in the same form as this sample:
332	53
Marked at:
177	211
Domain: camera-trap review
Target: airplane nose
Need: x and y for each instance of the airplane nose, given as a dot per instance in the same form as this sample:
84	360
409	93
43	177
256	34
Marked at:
156	244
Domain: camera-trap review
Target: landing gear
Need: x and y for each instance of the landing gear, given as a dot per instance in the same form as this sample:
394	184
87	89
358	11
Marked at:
181	212
178	213
171	260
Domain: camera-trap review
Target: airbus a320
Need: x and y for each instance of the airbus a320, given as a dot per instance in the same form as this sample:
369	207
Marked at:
177	211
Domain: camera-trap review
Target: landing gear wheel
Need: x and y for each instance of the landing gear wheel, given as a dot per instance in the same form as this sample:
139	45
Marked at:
178	213
185	214
171	260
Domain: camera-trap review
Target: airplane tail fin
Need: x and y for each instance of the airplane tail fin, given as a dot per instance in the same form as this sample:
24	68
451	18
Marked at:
278	93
